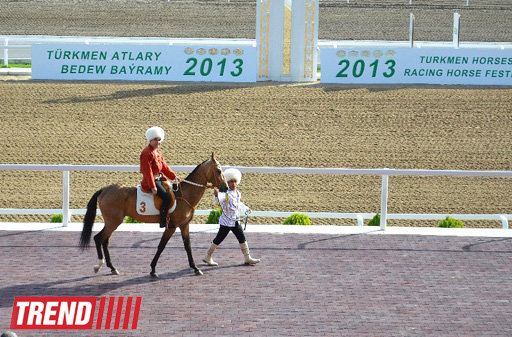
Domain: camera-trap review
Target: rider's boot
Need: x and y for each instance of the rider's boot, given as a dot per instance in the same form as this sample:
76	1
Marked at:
208	258
247	255
163	218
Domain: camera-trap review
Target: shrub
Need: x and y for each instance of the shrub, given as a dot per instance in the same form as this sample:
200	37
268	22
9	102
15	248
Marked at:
450	223
375	221
297	219
213	217
56	218
129	219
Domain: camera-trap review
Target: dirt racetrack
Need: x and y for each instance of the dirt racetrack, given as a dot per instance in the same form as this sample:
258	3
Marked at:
264	124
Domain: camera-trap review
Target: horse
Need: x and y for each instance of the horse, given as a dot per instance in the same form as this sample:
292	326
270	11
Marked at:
117	201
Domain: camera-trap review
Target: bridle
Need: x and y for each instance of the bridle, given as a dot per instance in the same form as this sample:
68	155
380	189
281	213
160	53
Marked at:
215	183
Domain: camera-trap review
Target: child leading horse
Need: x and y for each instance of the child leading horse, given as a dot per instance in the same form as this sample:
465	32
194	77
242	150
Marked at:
118	201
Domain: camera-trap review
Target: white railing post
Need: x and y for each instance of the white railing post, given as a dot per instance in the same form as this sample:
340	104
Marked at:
504	221
456	29
360	220
411	30
384	202
66	215
6	52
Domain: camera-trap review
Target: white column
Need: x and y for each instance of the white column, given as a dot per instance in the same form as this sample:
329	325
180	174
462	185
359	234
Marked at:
276	40
287	39
263	38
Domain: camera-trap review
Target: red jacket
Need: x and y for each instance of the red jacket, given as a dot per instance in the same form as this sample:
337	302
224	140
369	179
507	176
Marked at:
152	163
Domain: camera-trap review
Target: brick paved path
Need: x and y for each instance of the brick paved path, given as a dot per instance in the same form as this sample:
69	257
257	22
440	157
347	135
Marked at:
306	284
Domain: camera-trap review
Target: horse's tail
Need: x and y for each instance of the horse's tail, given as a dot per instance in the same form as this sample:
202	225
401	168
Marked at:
90	215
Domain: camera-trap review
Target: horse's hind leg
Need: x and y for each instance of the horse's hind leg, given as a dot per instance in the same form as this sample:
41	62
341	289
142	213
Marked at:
107	257
185	235
102	239
161	246
98	240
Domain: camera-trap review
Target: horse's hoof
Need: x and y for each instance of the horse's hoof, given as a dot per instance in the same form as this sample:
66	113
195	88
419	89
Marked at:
153	275
198	272
97	267
115	272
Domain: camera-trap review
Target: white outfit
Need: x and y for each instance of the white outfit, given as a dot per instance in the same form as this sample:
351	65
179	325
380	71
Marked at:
232	207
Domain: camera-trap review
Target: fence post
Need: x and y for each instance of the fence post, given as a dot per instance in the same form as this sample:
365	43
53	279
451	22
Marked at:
411	30
384	202
66	216
6	52
456	28
504	221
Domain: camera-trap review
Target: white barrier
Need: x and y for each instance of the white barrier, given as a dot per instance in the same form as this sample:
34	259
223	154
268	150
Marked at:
385	173
19	47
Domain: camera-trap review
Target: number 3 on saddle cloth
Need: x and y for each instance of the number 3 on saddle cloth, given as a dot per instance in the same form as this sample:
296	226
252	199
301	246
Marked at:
149	204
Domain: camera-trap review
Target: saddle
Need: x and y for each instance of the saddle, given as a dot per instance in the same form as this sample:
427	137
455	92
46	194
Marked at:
149	204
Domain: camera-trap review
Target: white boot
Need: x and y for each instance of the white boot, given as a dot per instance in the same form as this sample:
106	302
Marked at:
208	258
247	255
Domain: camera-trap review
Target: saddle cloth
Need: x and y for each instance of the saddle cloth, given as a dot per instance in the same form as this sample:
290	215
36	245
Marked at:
146	203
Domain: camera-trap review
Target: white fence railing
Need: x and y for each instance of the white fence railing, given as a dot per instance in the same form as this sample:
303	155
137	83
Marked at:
384	173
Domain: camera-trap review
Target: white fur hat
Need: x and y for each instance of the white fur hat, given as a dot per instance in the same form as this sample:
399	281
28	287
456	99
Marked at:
155	132
233	173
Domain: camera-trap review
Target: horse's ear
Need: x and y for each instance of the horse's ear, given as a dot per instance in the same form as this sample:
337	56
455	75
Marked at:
213	156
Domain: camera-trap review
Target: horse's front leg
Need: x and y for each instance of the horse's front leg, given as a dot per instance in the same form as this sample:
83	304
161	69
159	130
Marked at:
163	242
185	235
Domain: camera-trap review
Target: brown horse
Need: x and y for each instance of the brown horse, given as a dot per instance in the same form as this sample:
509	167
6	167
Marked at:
117	201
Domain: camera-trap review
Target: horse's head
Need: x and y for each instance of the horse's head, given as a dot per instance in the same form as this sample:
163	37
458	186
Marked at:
214	174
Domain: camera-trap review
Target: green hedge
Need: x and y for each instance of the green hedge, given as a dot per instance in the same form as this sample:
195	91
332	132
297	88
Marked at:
213	217
297	219
450	223
56	218
375	221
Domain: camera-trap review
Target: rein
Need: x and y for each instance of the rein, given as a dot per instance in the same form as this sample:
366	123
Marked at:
198	185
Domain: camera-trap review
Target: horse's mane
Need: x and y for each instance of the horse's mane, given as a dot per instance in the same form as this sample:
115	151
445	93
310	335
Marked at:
191	174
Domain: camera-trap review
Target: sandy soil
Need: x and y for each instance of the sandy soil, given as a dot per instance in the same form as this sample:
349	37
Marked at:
264	124
483	20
